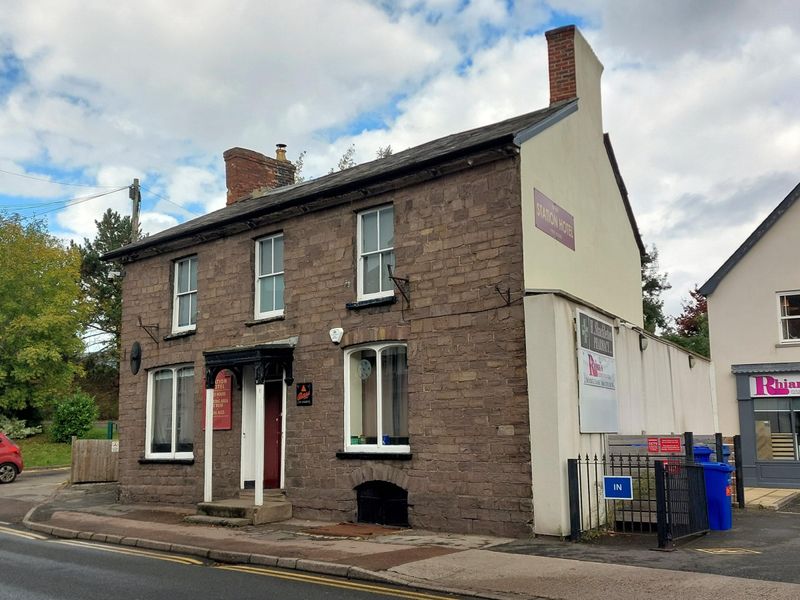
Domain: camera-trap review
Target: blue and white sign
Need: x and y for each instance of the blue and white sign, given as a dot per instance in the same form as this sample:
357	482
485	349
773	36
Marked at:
618	487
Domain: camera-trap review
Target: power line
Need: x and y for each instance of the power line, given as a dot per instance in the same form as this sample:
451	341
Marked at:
75	201
150	191
53	181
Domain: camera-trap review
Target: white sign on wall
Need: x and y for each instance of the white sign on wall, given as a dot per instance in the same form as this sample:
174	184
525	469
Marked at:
597	375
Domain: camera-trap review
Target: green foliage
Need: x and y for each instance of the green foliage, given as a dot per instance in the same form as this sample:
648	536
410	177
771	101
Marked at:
17	429
384	152
347	160
691	326
74	415
39	451
654	284
102	283
101	379
41	315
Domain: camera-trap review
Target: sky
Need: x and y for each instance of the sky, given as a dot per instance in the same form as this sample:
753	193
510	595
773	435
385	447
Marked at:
700	100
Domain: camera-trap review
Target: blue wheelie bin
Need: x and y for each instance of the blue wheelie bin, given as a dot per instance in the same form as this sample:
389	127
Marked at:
702	454
718	495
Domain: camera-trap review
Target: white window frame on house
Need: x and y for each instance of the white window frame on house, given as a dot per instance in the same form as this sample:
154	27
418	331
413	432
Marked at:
273	273
177	295
379	446
782	318
383	292
150	414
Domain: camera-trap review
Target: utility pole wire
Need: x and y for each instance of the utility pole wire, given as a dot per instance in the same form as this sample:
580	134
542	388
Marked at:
135	194
53	181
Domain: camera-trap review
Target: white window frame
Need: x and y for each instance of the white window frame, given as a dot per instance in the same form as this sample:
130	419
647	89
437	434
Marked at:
175	295
148	453
257	305
361	254
779	296
378	447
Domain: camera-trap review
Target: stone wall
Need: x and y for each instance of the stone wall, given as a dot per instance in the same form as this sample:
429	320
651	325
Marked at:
458	241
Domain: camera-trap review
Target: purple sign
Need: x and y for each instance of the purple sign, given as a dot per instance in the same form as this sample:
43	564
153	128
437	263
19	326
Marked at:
554	220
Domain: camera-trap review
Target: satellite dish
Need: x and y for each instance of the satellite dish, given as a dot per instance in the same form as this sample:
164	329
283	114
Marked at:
136	357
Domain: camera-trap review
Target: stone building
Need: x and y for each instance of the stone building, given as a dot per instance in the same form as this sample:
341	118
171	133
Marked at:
371	333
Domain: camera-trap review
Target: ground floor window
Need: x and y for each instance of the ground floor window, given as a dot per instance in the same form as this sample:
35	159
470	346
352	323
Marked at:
376	399
777	427
170	412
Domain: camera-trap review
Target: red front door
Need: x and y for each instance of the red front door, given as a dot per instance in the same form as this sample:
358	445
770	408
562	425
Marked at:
272	435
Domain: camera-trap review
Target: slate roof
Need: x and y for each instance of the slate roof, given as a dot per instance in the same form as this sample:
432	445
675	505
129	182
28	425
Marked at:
709	286
407	161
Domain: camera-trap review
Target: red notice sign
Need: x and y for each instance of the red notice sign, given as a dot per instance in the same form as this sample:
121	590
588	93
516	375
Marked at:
670	444
664	445
223	392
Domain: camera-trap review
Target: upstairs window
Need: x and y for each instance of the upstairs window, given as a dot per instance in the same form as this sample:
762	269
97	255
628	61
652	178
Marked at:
789	314
375	253
170	413
184	301
376	399
269	277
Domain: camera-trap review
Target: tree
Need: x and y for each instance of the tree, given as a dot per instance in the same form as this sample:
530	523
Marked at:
691	326
654	284
41	315
347	160
382	152
102	283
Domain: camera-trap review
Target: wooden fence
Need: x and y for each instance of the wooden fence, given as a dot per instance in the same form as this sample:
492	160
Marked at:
95	461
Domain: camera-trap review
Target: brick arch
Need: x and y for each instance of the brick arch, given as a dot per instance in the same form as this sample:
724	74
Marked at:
381	472
365	335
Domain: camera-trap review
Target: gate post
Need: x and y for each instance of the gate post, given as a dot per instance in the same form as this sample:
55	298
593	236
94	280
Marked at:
662	526
688	444
737	455
574	500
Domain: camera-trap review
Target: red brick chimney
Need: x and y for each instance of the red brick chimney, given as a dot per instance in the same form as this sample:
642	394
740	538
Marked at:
561	63
247	171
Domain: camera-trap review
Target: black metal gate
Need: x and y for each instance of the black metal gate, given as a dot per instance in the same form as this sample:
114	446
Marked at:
681	501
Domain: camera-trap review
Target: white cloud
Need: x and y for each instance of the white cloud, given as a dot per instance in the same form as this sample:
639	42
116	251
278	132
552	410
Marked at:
699	98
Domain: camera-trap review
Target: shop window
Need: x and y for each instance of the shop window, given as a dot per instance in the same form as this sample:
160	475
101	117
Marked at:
170	413
777	424
269	277
375	253
376	399
184	298
789	313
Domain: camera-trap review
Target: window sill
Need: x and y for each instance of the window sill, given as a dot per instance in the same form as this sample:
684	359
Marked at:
264	320
166	461
375	455
179	335
373	302
788	344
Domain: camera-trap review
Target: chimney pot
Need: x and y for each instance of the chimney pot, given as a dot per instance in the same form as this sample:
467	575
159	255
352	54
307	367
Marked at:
280	152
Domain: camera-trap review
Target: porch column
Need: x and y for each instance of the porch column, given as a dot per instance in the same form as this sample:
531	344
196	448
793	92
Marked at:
209	436
261	373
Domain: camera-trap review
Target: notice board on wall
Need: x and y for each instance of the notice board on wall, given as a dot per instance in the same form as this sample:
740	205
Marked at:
597	375
223	401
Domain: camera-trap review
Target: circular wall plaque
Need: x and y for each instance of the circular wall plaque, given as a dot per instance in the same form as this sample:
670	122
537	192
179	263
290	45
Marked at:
136	357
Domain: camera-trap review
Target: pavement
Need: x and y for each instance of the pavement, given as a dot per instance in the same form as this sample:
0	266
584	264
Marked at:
769	498
465	565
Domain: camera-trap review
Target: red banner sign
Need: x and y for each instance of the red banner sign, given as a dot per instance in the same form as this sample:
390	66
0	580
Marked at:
223	395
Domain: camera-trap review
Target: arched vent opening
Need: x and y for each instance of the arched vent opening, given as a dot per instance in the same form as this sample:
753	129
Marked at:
382	503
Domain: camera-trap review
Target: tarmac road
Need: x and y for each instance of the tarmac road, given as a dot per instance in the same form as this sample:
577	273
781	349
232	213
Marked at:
763	544
30	489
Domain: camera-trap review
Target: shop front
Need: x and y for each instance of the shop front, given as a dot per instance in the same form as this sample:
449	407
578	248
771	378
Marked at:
769	417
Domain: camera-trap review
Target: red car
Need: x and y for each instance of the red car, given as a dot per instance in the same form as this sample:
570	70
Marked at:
10	459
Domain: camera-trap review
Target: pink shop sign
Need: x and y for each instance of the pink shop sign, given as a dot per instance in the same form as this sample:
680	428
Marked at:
554	220
767	386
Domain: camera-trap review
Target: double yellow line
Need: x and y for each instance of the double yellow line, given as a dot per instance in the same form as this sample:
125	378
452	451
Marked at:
183	560
338	583
23	534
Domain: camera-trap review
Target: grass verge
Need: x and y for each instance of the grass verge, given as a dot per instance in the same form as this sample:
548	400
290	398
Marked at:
40	451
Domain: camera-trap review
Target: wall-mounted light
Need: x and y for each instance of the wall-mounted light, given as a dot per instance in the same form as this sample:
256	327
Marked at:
691	361
643	341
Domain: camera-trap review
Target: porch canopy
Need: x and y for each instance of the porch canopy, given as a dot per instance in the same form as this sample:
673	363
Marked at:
269	361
